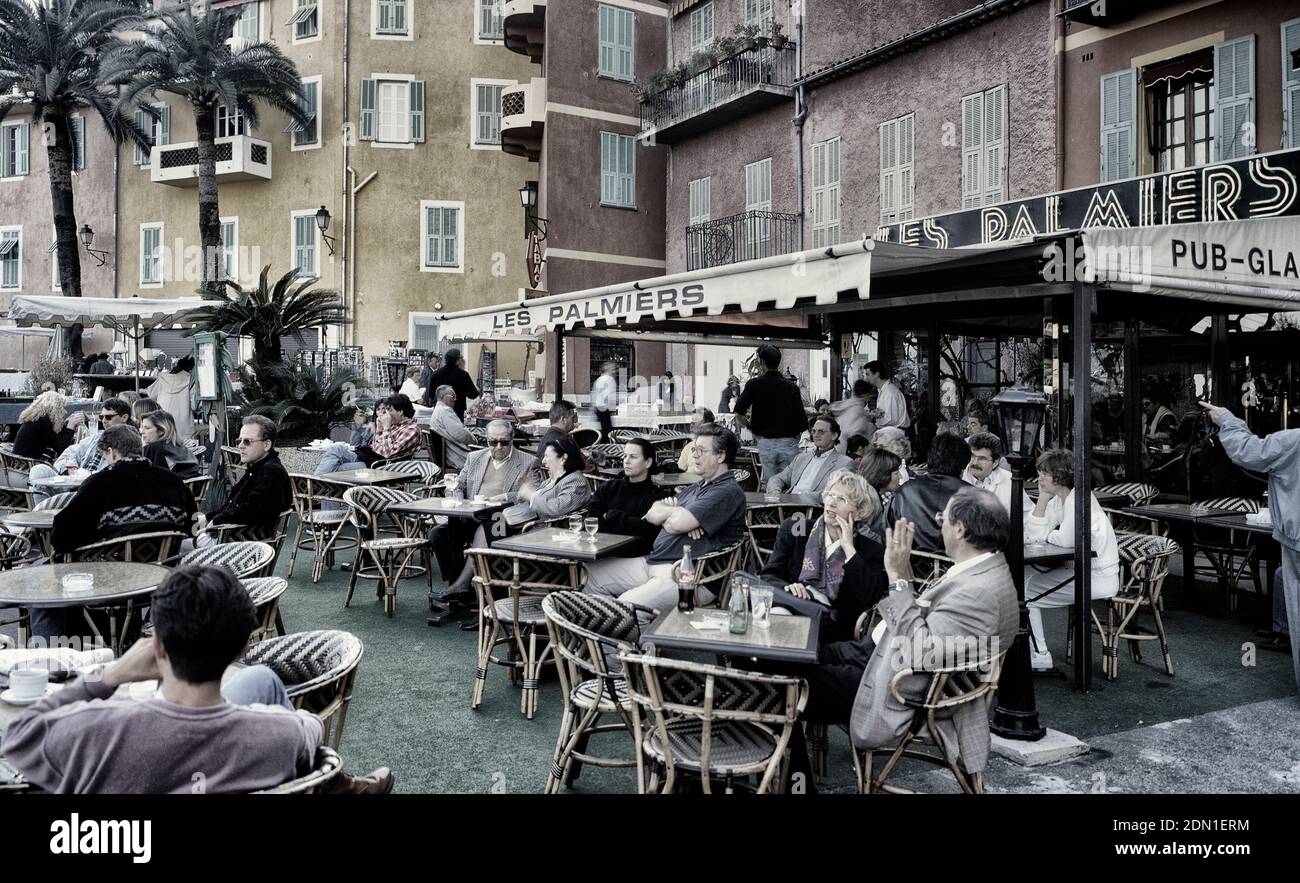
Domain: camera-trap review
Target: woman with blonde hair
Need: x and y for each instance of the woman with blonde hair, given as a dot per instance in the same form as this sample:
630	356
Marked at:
163	446
894	440
42	427
833	568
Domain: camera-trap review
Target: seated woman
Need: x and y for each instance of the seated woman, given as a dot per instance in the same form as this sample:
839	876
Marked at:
834	569
881	469
894	440
163	446
42	427
563	492
1052	521
621	503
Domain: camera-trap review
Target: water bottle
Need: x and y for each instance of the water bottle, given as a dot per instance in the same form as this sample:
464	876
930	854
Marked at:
738	607
686	582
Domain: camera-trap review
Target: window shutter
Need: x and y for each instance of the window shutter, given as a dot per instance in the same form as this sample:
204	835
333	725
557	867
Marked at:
1118	125
1234	103
417	111
143	123
22	142
889	171
606	168
906	167
367	111
629	169
972	149
1290	85
995	145
624	53
165	126
605	40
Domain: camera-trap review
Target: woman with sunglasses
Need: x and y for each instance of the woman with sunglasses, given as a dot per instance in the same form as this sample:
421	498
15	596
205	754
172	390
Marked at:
835	567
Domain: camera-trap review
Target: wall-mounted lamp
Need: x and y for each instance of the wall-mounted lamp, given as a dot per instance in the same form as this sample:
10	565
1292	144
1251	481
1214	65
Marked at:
87	236
323	223
528	199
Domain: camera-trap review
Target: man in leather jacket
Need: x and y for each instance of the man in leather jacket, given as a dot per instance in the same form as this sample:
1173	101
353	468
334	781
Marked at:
922	498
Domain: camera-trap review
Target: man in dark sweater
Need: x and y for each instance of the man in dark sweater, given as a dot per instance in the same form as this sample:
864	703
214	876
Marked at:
431	365
264	491
621	504
775	414
564	419
453	374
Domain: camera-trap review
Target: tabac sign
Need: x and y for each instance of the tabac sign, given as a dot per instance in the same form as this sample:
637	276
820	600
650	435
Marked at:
1256	187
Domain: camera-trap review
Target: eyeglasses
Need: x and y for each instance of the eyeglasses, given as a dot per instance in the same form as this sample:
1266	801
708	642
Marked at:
499	442
109	416
248	441
820	431
834	499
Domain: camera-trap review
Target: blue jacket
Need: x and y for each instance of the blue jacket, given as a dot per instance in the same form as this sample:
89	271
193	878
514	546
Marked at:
1279	455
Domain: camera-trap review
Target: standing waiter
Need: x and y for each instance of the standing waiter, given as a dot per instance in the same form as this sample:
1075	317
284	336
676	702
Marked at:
453	374
775	412
1278	454
604	399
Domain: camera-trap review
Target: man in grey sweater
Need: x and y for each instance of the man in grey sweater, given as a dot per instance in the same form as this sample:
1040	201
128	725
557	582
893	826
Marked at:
1278	454
196	736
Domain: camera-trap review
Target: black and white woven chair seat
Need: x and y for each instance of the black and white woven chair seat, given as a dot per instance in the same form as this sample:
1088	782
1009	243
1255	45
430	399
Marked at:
425	470
594	692
1135	546
530	610
264	589
735	746
55	501
398	543
326	516
1232	504
306	660
1137	492
607	617
243	558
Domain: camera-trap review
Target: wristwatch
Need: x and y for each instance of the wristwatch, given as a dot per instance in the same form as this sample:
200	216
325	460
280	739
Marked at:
900	585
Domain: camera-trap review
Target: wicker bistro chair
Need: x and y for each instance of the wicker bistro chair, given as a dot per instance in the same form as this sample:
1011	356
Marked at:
386	559
328	764
607	454
709	722
510	587
585	438
55	501
198	486
265	592
949	689
1232	554
319	671
1138	494
623	436
1145	562
762	524
15	551
425	475
586	631
319	528
247	560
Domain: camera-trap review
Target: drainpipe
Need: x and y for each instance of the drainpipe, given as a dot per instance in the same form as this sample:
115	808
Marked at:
800	115
351	205
346	188
1060	103
117	208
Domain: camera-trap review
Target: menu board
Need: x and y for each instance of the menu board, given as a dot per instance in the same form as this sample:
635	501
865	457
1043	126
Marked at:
487	371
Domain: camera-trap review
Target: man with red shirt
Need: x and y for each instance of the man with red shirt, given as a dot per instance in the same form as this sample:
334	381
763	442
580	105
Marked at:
397	436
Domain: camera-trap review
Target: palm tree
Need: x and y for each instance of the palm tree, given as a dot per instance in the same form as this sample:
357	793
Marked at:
268	313
51	56
189	56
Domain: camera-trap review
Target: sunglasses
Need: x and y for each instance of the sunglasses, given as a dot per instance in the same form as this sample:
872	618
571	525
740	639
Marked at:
499	442
248	441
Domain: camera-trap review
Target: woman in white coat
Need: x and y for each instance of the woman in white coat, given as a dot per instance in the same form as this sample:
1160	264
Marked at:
1052	521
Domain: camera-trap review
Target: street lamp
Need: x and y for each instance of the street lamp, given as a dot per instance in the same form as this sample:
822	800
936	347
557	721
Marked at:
87	236
323	224
1021	413
528	201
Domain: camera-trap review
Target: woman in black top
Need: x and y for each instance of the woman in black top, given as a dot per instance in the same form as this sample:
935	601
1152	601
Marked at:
42	432
621	503
163	447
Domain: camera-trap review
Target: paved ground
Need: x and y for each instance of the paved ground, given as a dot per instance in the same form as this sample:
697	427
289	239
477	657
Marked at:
411	710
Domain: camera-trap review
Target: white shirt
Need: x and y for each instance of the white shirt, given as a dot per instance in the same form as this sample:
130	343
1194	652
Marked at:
998	483
892	404
1056	526
604	393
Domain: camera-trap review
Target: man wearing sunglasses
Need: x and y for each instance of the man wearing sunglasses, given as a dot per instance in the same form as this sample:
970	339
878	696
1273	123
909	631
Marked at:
264	491
85	455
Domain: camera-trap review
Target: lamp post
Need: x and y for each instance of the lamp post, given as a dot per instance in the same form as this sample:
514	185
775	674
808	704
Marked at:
1021	413
323	224
87	236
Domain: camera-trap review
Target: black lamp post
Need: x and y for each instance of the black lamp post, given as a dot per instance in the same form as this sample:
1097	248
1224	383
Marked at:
87	236
323	224
528	200
1021	413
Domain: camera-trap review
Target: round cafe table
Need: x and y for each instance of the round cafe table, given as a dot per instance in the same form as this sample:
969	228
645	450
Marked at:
116	582
58	483
39	521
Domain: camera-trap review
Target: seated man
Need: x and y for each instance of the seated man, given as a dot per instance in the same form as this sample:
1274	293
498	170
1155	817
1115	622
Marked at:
975	602
564	419
196	735
1052	521
986	470
456	439
494	474
708	515
808	471
264	492
925	495
129	495
686	458
85	454
397	436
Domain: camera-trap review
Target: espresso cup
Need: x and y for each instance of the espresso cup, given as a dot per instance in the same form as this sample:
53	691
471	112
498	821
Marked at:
28	682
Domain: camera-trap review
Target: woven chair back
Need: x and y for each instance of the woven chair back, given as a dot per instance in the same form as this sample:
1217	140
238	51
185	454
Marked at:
150	548
55	501
668	688
244	559
198	487
583	627
327	765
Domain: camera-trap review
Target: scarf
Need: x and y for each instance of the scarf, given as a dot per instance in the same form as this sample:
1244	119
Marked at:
820	571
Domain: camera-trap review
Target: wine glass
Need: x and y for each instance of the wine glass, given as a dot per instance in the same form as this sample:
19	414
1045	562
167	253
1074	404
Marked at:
575	525
593	527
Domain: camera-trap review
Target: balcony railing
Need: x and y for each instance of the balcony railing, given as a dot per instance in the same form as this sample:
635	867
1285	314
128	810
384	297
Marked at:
523	118
238	158
742	237
762	74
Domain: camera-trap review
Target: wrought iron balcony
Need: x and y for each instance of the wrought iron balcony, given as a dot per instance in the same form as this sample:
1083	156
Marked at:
239	158
523	22
523	118
734	87
743	237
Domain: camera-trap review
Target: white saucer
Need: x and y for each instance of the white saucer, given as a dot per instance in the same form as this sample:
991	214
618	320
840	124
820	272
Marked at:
8	696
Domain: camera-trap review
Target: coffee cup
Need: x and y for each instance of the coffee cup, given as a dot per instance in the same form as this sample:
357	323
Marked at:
28	682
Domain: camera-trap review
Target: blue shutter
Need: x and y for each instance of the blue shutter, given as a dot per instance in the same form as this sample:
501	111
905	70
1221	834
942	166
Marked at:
1290	84
1234	98
417	111
1118	125
367	110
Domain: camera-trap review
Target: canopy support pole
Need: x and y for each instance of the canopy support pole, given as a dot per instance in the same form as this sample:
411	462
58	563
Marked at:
559	364
1085	299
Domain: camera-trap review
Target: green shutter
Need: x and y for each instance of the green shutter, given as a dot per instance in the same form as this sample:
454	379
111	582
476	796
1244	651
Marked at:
417	111
1234	98
1118	125
1290	84
367	110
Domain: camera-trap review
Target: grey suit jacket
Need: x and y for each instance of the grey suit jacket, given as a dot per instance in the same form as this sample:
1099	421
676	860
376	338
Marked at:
552	500
471	477
825	465
978	603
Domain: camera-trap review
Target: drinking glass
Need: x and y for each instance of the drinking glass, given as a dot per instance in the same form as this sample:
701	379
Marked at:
575	525
760	600
593	527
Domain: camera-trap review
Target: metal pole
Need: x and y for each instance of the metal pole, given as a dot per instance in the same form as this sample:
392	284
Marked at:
1085	294
837	363
559	364
1134	437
